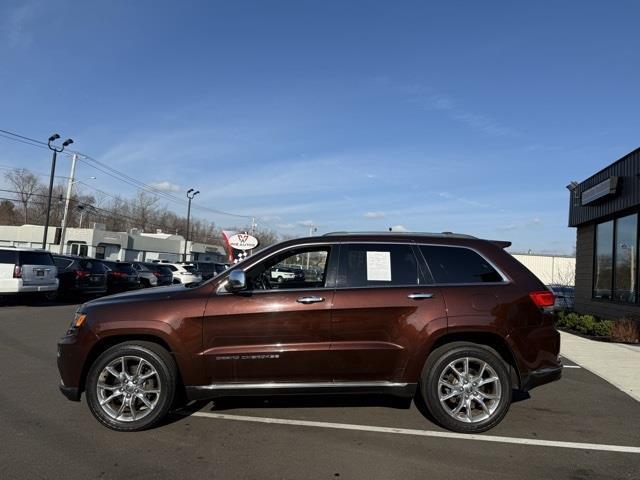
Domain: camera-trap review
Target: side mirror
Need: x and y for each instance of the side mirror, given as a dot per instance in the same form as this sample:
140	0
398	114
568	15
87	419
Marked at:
237	281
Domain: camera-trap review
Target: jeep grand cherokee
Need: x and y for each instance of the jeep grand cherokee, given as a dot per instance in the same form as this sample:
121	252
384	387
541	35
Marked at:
451	318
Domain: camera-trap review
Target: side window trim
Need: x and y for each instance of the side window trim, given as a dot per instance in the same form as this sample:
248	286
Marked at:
505	279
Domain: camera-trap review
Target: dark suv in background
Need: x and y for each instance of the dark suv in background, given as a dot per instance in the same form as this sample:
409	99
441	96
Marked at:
80	276
451	318
121	276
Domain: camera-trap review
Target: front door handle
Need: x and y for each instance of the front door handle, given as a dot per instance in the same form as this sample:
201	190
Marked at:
307	300
420	296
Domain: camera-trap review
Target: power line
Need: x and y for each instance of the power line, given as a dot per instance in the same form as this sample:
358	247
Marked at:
123	177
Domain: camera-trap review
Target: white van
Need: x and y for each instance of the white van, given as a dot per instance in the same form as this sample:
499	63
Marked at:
26	270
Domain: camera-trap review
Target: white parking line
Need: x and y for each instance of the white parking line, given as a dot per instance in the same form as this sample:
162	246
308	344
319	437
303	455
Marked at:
423	433
571	366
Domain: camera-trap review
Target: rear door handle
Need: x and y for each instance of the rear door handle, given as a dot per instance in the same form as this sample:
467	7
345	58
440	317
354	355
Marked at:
307	300
420	296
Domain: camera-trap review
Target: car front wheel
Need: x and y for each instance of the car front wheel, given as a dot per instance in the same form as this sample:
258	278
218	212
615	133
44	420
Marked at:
131	386
466	387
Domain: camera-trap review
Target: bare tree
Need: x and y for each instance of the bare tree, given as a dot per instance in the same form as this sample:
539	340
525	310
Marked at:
25	184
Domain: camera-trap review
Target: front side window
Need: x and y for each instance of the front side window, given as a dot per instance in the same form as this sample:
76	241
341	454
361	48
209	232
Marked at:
378	265
458	265
295	268
626	258
604	261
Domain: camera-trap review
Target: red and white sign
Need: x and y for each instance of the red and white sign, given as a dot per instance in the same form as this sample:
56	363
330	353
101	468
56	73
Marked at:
243	241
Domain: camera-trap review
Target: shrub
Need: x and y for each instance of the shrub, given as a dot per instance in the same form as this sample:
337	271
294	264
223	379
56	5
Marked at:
584	324
626	330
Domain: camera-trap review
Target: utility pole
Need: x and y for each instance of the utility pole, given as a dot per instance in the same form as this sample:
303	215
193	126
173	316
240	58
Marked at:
70	183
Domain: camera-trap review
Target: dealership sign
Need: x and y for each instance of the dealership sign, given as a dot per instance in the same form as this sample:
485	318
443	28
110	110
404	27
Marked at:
243	241
599	191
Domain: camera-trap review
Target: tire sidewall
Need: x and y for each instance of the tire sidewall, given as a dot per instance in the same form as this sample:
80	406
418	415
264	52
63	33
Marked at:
438	360
161	361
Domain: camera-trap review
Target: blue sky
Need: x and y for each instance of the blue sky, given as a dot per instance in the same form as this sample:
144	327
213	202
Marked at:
457	116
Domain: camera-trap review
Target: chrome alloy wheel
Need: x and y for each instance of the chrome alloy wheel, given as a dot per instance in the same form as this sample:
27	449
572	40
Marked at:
469	390
128	388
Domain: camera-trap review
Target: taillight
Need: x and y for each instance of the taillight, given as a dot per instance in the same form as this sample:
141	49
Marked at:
17	271
543	299
82	274
117	274
156	274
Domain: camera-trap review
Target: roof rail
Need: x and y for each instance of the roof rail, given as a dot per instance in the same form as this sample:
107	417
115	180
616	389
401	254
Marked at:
422	234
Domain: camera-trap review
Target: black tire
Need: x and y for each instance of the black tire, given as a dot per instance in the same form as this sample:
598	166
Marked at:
159	359
435	366
280	279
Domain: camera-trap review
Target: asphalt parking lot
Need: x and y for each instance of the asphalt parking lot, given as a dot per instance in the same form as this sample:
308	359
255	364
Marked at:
46	436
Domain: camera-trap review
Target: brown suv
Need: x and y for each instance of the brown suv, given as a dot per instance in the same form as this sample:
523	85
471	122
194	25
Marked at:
451	318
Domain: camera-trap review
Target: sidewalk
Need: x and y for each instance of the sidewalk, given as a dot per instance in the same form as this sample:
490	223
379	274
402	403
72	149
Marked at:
618	364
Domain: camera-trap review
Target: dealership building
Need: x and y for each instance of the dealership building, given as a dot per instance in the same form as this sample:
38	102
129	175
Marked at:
604	209
97	242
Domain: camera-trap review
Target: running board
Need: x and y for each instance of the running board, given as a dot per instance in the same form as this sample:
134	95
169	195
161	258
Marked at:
200	392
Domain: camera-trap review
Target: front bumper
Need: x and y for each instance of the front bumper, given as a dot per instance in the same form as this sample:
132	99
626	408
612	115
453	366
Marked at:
541	377
71	393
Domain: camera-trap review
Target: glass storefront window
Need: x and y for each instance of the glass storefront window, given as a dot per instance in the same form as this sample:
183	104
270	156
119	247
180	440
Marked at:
624	280
603	261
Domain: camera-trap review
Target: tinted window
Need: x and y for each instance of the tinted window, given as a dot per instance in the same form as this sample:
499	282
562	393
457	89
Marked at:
35	258
7	256
62	263
369	265
189	268
124	268
604	261
624	289
458	265
92	265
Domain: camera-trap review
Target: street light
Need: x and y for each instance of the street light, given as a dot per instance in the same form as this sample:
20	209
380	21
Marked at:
190	195
55	150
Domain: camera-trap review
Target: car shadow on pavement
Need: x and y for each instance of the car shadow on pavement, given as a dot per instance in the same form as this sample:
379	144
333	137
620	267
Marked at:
226	404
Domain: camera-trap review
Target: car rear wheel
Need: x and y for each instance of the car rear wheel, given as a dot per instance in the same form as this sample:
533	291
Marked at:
131	386
466	387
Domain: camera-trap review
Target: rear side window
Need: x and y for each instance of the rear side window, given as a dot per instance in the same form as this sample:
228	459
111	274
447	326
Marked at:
92	266
8	256
371	265
62	263
458	265
35	258
189	268
124	268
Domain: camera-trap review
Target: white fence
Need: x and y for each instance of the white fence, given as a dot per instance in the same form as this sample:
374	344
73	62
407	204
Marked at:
550	269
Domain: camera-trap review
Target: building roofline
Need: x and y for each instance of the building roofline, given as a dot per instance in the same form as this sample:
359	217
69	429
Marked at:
636	150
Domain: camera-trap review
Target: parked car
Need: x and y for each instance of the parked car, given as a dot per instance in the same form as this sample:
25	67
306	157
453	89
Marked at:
286	274
121	276
26	270
185	274
163	273
451	318
565	296
80	276
209	270
146	276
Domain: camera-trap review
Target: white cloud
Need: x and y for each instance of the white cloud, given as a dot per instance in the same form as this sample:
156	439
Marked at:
399	228
165	186
377	214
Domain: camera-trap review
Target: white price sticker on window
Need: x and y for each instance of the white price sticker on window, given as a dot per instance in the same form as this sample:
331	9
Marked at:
379	266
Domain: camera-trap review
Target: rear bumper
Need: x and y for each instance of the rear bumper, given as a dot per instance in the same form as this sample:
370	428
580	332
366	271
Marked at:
541	377
11	286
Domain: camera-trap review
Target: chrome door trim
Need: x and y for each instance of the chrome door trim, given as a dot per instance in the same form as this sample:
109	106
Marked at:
276	385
